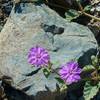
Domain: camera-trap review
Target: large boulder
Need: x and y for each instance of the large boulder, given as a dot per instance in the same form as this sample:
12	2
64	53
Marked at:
30	25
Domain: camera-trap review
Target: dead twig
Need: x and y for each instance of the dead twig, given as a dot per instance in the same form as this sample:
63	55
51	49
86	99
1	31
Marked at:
80	12
86	14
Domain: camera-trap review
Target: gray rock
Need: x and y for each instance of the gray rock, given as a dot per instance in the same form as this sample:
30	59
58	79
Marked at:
38	25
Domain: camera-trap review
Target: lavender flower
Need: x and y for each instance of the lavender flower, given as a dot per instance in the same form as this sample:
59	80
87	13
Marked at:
38	56
70	72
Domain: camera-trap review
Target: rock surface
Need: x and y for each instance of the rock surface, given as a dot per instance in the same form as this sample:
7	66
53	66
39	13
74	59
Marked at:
32	25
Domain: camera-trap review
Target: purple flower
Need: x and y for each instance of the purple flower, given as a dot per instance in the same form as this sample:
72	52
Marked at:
70	72
38	56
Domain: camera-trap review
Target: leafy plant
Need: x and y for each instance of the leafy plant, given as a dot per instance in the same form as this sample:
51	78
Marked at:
90	90
70	73
46	72
71	14
87	8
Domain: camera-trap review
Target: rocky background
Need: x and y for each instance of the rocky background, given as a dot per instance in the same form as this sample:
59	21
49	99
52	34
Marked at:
24	24
6	6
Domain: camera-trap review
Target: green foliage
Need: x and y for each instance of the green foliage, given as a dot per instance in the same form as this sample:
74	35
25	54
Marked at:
94	58
99	84
95	61
95	64
63	88
90	90
88	68
46	72
71	14
59	80
87	8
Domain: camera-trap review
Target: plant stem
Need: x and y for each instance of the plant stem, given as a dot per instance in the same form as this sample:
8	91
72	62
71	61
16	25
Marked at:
52	70
80	12
86	14
80	6
91	16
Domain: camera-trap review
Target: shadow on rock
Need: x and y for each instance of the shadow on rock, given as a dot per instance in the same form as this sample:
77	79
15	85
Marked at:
85	59
14	94
49	95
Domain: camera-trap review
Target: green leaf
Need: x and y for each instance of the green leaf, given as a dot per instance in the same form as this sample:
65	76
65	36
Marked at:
71	14
59	80
90	91
88	8
63	87
95	61
46	72
88	68
99	84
